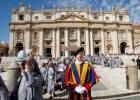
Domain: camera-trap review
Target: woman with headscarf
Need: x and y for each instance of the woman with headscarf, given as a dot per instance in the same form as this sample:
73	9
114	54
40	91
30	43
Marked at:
31	83
3	90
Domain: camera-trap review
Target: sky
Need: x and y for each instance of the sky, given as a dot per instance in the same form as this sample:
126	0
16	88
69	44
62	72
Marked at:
6	5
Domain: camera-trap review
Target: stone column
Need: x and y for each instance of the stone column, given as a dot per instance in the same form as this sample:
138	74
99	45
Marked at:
66	42
132	75
87	42
41	44
53	43
58	43
130	41
27	39
91	42
78	37
11	45
115	42
102	41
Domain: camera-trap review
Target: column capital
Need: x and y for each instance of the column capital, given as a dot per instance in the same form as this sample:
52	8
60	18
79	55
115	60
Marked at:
91	29
53	29
79	28
58	28
66	28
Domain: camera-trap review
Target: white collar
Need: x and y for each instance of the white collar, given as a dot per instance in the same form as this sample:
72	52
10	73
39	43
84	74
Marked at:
78	62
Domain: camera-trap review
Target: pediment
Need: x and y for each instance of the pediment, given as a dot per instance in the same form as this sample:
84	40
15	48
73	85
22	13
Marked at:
71	17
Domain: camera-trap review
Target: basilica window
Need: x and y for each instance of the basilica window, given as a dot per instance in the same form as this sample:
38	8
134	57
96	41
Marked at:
19	36
96	42
123	35
62	34
96	36
82	42
48	43
107	18
82	35
21	17
120	18
96	17
109	35
48	17
47	34
62	42
36	17
35	36
72	34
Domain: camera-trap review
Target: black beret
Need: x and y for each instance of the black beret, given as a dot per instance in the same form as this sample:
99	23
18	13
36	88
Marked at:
78	50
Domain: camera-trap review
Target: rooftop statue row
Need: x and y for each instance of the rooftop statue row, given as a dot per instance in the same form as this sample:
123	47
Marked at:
71	7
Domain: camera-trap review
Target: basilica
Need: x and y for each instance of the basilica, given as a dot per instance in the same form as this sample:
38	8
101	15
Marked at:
58	32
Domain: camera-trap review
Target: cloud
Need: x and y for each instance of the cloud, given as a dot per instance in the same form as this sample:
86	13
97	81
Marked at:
105	3
134	7
133	3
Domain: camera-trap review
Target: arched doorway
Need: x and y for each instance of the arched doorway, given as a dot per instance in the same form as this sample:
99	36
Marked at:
18	47
48	52
96	50
123	47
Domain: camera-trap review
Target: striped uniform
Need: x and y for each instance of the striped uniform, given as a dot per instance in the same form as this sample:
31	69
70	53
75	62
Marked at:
80	74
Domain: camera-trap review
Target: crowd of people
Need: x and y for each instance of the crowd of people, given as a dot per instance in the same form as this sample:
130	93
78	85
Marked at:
36	78
107	61
47	76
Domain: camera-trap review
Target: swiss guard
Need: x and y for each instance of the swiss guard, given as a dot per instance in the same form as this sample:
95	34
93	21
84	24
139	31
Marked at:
79	77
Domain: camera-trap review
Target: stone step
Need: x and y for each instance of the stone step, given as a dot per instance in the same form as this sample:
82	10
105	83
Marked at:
102	95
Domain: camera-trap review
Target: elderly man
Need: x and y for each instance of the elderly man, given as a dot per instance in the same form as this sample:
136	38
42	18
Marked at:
80	77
